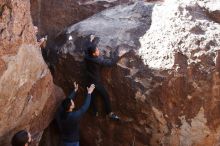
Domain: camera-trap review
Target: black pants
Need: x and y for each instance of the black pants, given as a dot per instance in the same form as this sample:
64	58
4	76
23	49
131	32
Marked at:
100	90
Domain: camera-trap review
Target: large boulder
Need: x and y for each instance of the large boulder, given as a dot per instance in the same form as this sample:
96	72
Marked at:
121	25
166	87
28	97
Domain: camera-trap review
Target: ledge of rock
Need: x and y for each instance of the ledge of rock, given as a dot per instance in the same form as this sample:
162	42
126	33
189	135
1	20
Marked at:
52	16
28	97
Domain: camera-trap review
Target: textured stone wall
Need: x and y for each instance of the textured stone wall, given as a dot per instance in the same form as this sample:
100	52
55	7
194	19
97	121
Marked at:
28	97
166	87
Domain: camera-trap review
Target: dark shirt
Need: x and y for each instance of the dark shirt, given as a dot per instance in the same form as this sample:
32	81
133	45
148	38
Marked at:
70	121
94	65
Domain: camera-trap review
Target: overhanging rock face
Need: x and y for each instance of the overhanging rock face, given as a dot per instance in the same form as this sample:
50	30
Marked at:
120	26
52	16
166	88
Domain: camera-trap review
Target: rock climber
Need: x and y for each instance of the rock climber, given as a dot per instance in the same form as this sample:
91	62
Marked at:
21	138
94	63
69	120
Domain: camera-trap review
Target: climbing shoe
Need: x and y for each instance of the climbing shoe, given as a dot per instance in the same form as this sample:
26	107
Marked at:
113	116
96	114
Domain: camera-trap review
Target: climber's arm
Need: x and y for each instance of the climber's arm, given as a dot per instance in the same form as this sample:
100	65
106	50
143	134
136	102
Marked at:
78	114
73	93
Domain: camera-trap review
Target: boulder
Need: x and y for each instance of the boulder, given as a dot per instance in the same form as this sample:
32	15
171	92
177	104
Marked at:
28	97
165	88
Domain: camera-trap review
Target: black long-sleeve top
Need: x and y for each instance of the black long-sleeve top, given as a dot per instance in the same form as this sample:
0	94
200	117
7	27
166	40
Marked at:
94	65
69	121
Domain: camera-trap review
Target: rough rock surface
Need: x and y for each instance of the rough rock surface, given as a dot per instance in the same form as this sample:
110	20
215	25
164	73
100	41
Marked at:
190	29
122	25
166	88
52	16
28	97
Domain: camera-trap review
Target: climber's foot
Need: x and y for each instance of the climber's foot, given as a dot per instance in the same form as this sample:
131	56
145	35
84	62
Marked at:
113	116
95	114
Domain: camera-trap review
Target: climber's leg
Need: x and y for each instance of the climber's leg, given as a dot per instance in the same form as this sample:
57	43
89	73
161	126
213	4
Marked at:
104	94
99	89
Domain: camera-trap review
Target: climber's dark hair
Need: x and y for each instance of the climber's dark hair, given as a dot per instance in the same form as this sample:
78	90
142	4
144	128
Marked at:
90	48
20	138
66	104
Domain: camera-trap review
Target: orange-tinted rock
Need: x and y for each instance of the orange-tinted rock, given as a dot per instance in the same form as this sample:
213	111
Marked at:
28	96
